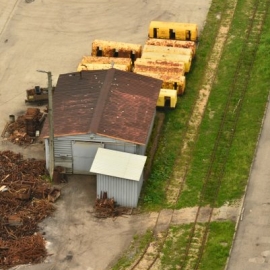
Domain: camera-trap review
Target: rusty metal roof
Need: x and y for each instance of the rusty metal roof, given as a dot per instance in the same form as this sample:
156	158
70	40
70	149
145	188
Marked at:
111	103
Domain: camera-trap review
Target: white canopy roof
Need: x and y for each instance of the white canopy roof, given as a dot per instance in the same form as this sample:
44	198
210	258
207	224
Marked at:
118	164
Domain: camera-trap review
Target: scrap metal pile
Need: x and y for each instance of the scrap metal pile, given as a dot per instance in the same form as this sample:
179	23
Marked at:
23	130
107	207
23	204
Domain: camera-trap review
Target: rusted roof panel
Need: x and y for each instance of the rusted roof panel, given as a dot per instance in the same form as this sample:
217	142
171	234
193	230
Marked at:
111	103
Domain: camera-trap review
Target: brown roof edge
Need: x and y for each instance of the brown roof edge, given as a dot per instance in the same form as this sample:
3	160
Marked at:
101	134
64	135
102	100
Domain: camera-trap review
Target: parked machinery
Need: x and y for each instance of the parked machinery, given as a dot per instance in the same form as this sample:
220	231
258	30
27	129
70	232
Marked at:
38	95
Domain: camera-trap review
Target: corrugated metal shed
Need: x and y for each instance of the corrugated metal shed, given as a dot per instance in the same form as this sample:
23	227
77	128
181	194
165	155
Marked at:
118	164
120	175
110	103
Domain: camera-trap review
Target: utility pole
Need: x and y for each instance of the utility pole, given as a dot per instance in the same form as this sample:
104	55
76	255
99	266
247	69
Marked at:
51	123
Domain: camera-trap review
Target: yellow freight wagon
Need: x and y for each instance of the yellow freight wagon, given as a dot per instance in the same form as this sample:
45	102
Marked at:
167	50
173	43
174	82
170	57
96	66
151	66
114	62
173	30
167	98
116	49
163	63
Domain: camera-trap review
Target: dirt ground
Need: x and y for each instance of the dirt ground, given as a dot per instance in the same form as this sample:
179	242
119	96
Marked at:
54	36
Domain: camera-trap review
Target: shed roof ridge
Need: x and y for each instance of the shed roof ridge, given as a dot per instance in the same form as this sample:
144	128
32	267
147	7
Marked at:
101	102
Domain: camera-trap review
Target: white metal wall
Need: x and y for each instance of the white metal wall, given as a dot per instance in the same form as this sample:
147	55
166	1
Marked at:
125	192
63	148
83	154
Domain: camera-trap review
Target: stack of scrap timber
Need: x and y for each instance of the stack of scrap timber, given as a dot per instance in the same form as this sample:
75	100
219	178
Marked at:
98	63
22	131
23	204
32	117
107	207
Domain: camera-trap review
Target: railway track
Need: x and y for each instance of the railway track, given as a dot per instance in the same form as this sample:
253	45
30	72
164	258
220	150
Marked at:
212	181
237	91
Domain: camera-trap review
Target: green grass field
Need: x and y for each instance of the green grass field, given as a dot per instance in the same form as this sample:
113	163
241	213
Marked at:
242	148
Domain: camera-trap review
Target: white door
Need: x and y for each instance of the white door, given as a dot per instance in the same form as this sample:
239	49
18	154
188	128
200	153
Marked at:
83	155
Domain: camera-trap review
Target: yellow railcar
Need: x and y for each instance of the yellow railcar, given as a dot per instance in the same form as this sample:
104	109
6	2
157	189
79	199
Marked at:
116	49
174	82
187	59
97	66
174	65
173	43
156	66
167	50
173	30
90	62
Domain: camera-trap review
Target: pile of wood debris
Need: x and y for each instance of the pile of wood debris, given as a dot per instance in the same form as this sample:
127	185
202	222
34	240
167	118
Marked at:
107	207
22	131
23	204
